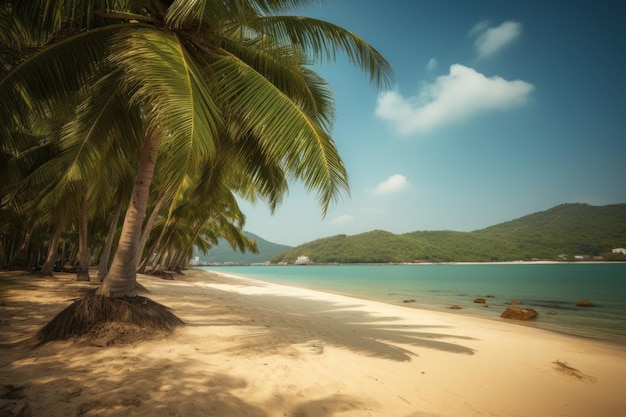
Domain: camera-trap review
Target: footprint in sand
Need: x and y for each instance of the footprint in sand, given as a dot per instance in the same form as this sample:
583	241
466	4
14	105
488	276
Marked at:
315	347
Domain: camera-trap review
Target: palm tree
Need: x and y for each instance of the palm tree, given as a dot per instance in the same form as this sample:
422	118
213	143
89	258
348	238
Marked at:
202	76
204	211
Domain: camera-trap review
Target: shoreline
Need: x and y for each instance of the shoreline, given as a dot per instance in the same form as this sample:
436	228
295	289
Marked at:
252	348
559	317
426	308
546	262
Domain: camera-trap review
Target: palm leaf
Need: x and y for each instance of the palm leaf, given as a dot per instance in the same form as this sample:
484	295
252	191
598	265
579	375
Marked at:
286	133
284	67
162	77
50	82
324	40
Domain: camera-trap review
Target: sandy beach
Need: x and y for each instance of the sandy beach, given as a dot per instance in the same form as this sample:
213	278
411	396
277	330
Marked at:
255	349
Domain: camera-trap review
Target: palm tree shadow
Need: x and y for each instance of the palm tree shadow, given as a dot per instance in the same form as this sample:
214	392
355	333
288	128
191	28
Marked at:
369	335
152	386
281	321
326	406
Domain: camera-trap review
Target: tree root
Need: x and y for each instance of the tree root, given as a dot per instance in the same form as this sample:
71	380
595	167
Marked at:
91	312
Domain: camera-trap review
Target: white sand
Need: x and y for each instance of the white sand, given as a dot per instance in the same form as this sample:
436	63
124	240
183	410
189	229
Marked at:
256	349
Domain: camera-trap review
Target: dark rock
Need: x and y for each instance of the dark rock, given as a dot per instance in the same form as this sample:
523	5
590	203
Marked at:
408	301
490	296
585	303
455	307
479	301
518	313
514	302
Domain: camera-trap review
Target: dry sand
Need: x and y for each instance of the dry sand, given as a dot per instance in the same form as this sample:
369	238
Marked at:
256	349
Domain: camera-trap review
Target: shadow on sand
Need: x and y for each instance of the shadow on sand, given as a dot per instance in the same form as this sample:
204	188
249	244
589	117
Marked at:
272	317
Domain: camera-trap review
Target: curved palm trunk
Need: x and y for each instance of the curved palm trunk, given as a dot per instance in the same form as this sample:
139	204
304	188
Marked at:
181	261
146	234
103	266
184	256
157	265
20	258
121	280
83	248
52	257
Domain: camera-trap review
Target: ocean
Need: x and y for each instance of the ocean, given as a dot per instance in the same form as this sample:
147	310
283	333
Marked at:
551	289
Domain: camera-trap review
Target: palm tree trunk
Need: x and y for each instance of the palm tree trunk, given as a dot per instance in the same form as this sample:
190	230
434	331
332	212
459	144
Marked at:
53	250
182	259
159	252
103	266
121	280
20	258
185	255
146	233
83	248
158	263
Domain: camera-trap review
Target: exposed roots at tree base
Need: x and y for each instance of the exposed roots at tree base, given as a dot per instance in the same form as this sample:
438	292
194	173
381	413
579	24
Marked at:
103	321
160	274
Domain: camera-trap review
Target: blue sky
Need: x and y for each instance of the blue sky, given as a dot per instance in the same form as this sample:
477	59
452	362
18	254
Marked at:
498	109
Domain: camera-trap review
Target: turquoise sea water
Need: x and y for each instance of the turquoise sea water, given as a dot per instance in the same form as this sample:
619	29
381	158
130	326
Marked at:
551	289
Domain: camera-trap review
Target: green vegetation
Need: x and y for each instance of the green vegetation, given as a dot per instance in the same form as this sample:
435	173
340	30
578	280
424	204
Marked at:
569	229
224	253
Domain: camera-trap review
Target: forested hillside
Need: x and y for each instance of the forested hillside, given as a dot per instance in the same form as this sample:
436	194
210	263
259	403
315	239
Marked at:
568	229
224	253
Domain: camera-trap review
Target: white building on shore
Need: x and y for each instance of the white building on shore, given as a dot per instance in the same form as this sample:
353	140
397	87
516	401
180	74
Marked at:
302	260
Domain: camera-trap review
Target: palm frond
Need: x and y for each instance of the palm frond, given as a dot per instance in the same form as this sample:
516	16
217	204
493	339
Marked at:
169	85
252	172
283	66
210	13
324	40
50	82
103	139
286	133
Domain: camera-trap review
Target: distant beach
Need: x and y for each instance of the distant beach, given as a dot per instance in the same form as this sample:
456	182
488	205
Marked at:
252	348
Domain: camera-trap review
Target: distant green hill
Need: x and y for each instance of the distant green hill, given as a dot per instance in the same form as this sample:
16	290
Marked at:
569	229
224	253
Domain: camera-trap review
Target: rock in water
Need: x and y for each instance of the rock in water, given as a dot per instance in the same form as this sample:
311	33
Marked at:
584	303
518	313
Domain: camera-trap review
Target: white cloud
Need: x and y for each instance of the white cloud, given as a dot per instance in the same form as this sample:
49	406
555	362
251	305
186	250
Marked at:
393	184
341	220
493	39
479	27
432	64
462	94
